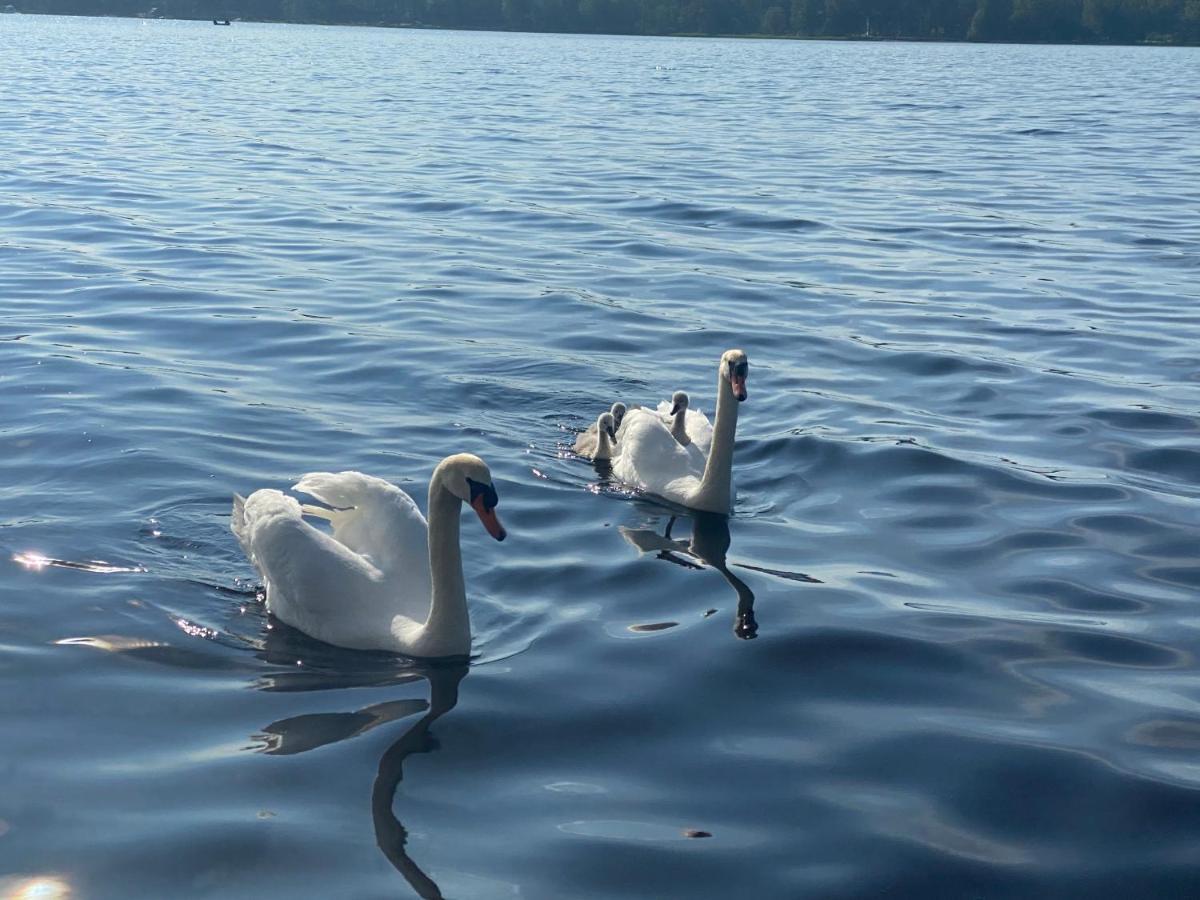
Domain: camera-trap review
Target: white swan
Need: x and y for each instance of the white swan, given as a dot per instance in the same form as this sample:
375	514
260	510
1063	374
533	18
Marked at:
384	580
651	458
598	442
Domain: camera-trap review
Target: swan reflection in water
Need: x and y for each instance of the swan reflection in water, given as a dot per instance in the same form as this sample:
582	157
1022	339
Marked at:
390	834
298	734
709	543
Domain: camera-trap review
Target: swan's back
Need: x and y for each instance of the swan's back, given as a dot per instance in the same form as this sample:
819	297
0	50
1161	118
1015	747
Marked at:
652	459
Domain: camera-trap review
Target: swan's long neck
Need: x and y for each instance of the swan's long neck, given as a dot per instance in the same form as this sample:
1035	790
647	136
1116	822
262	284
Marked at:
716	487
449	624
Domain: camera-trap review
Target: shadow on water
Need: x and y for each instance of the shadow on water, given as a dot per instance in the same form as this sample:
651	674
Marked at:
709	544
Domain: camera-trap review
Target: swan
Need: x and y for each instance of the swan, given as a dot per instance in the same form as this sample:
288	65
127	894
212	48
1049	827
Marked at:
385	579
655	461
598	441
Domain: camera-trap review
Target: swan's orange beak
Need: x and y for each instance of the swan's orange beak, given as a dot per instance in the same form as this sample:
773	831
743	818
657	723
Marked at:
489	519
739	386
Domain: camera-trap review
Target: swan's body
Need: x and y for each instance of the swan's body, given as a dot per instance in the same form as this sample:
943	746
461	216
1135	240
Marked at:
651	458
599	441
385	579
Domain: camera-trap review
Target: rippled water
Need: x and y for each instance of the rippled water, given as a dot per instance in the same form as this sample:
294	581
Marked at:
968	470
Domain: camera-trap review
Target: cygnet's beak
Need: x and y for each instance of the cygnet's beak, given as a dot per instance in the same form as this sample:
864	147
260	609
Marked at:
611	433
739	386
675	409
489	519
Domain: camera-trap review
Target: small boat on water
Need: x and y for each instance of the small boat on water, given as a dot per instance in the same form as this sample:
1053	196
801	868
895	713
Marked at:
221	22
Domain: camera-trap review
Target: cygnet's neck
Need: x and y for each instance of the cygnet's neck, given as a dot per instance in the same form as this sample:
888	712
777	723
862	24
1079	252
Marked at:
605	448
679	426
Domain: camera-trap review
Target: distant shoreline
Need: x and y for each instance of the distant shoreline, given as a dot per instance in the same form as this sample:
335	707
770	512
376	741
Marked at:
751	36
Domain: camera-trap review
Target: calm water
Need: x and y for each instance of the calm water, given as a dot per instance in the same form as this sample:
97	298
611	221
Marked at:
968	471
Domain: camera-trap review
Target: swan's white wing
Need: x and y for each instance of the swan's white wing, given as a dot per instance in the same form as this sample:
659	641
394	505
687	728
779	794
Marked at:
314	582
653	460
377	520
696	423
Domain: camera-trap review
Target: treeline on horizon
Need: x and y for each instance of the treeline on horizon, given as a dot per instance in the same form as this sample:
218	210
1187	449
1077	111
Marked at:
1058	21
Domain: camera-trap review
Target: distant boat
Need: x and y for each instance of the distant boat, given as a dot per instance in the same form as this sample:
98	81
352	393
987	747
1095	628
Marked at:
11	9
219	22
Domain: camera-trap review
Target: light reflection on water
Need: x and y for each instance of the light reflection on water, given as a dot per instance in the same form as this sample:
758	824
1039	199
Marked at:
40	887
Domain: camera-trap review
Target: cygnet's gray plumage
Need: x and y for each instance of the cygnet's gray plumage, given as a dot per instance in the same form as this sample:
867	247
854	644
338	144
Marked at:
599	441
618	413
679	407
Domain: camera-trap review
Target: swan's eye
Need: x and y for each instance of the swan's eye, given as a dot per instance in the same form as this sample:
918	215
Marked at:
739	370
477	490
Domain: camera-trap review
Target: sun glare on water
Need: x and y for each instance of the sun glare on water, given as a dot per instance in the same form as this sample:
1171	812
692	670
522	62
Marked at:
39	887
31	560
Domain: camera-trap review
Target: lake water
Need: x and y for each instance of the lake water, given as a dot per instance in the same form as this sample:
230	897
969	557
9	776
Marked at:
968	472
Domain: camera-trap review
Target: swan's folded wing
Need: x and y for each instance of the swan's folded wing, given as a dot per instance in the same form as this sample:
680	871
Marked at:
699	429
376	519
343	490
296	560
650	457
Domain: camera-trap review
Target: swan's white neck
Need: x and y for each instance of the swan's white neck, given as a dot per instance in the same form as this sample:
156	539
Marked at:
447	631
716	487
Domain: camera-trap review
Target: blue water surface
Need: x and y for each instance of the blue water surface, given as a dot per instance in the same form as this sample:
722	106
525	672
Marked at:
968	472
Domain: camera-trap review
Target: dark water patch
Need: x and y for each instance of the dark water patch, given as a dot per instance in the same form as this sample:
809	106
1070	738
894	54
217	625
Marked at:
1114	650
1144	420
1183	576
1179	734
1181	463
1183	548
946	521
936	365
1074	596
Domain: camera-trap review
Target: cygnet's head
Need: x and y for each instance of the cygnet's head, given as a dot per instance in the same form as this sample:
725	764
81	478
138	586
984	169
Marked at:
679	402
468	478
607	423
735	367
618	413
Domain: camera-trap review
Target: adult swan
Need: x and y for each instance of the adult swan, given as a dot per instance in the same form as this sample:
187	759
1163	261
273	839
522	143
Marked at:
651	458
384	580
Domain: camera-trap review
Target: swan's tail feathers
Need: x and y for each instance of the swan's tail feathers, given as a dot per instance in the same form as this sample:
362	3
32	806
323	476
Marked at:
237	524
